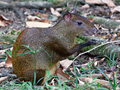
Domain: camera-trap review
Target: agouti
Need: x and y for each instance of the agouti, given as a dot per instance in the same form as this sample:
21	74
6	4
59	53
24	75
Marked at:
52	43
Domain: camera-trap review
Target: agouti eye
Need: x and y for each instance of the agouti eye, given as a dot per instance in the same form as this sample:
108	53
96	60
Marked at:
79	23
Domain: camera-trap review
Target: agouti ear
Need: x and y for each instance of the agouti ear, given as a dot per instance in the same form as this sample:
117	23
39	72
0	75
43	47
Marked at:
67	17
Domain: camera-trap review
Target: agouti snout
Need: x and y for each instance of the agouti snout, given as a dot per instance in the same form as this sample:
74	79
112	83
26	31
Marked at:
51	45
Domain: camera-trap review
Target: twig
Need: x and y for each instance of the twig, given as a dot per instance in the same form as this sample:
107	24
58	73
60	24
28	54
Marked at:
92	50
37	4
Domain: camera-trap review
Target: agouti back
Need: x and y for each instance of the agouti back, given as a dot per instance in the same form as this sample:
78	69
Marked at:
52	44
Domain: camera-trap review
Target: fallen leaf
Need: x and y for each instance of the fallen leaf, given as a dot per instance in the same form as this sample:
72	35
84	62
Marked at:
116	9
5	20
117	20
85	79
59	72
93	1
5	43
31	24
41	15
2	51
102	82
96	63
99	75
32	18
3	79
45	21
119	26
90	19
65	63
113	37
59	9
101	60
8	61
86	6
2	64
55	12
108	2
2	24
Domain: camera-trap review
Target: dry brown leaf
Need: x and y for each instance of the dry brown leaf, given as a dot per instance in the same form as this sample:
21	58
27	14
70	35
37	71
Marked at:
59	72
45	21
55	12
59	9
32	18
93	1
110	75
99	75
91	19
2	24
31	24
5	43
41	15
86	6
117	20
102	82
101	61
116	9
119	26
65	63
113	37
5	20
2	51
96	63
8	61
3	79
2	64
108	2
85	79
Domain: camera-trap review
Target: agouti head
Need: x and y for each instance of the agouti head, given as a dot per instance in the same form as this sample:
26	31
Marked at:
72	25
56	42
78	24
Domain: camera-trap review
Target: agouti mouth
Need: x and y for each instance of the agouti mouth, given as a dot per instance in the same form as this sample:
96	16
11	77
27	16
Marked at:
90	32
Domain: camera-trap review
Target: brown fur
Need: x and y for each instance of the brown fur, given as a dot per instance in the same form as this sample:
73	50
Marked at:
57	41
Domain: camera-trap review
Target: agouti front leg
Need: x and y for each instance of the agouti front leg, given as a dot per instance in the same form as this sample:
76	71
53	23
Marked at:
64	52
77	47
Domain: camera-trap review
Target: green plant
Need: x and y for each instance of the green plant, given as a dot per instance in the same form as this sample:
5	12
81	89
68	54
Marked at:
13	32
90	17
114	81
12	85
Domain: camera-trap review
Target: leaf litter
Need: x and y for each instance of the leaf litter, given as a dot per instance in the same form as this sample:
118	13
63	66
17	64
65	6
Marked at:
85	62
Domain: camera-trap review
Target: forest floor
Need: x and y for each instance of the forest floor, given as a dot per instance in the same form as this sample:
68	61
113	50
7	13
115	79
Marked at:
13	22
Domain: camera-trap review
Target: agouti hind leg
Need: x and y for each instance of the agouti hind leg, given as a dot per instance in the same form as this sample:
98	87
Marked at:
30	76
